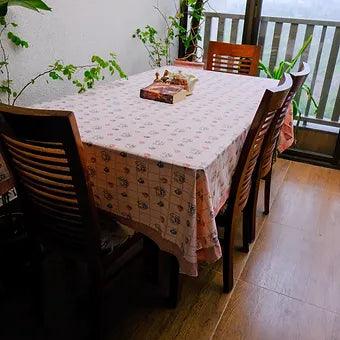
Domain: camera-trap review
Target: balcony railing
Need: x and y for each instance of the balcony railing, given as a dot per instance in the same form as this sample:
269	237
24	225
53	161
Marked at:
281	38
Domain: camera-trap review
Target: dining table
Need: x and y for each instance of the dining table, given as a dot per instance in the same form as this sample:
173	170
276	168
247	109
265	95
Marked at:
166	169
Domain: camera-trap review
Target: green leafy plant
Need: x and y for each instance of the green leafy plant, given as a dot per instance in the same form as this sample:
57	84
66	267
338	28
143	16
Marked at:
83	77
158	46
192	37
35	5
286	67
90	73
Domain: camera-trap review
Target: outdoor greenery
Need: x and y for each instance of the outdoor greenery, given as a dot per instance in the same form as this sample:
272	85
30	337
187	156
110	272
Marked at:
286	67
82	76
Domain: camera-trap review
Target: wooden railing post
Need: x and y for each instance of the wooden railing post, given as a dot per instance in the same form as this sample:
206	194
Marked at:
183	23
252	22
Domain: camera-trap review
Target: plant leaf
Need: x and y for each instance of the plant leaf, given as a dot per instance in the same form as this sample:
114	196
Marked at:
35	5
265	69
299	54
17	40
3	9
30	4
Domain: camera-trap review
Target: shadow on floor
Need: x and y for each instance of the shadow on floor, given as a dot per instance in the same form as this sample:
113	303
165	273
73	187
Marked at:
59	308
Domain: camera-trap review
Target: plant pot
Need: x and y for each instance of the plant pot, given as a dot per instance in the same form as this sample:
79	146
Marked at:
191	64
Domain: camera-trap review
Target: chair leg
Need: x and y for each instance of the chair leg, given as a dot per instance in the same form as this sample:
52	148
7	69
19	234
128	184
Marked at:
175	283
249	217
96	302
97	329
246	230
151	260
228	275
39	281
267	179
228	253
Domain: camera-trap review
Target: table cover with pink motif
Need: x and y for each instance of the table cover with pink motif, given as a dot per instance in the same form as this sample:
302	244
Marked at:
167	168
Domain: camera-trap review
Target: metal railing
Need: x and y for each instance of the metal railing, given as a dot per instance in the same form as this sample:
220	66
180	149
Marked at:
281	38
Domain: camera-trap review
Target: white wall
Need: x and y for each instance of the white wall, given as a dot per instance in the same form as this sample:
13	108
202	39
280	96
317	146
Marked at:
75	30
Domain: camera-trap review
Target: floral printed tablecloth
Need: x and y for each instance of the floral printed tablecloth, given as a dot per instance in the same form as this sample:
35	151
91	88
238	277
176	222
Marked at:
165	168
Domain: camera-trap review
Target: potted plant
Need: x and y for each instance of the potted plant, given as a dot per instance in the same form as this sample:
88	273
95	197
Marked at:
158	45
286	67
194	9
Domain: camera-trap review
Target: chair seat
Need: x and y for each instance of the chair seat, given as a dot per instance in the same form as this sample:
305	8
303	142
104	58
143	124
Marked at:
113	234
119	244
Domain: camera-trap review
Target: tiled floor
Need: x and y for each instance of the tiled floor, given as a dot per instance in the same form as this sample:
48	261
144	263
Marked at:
287	287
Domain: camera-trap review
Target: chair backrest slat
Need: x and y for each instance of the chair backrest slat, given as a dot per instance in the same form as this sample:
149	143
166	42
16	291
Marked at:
45	153
233	58
271	140
242	179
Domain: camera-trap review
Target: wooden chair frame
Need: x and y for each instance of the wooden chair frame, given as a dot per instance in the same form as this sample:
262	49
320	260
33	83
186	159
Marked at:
45	154
242	179
265	164
233	58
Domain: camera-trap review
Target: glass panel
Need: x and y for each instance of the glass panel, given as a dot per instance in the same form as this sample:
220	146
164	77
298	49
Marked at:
311	9
227	6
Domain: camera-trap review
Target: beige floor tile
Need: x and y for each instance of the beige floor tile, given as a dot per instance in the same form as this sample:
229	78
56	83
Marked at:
297	205
296	263
314	176
329	217
255	313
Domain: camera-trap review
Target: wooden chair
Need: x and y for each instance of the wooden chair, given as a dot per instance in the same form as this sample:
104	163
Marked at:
6	181
242	179
265	164
233	58
44	151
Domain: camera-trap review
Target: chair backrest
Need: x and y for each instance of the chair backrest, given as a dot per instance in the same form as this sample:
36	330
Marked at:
271	140
242	180
45	153
233	58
